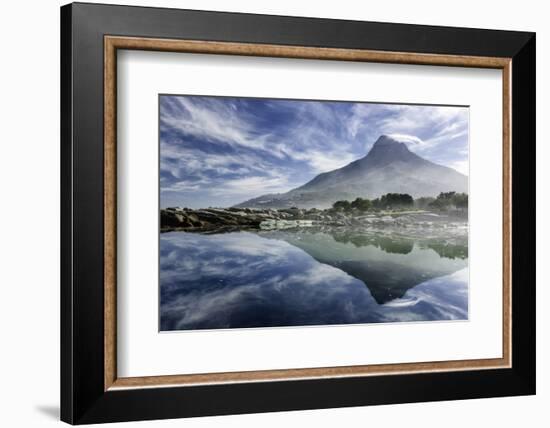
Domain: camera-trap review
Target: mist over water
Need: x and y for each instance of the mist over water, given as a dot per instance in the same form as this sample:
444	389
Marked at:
309	277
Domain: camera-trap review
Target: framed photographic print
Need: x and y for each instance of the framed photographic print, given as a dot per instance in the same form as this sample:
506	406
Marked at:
266	213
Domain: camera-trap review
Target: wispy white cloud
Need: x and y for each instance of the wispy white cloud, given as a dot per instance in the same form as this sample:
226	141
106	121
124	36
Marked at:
254	185
418	125
213	120
408	139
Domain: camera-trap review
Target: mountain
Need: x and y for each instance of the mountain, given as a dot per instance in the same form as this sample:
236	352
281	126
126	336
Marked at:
389	167
388	266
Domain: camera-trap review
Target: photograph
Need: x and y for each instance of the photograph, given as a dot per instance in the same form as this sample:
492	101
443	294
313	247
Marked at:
288	212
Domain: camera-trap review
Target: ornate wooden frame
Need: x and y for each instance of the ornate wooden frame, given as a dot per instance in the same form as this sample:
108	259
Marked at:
113	43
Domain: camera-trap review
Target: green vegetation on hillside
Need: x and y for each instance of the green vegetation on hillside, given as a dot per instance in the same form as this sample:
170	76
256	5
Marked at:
450	200
445	201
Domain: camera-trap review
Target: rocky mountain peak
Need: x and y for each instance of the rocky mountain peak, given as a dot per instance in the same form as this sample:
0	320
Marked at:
386	140
389	167
387	150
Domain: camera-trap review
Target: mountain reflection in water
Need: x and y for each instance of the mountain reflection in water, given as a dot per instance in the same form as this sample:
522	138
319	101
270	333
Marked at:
308	277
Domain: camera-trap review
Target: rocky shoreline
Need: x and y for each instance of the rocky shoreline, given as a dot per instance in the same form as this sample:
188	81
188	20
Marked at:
215	220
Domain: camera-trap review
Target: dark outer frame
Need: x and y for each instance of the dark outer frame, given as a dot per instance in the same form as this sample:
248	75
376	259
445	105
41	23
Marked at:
83	397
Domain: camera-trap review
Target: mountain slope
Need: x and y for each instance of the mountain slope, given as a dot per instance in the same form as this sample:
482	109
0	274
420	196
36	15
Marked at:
389	167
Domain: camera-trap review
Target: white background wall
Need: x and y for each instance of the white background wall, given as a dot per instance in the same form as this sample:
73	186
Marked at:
29	215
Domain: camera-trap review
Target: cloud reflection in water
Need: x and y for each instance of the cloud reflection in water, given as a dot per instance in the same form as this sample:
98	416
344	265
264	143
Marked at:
242	279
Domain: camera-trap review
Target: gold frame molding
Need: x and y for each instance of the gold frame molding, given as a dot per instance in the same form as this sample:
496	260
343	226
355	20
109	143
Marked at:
113	43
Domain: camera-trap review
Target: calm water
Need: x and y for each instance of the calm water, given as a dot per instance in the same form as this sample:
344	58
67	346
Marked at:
298	278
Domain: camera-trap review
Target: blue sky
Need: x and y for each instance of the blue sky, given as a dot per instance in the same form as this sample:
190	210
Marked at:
218	151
